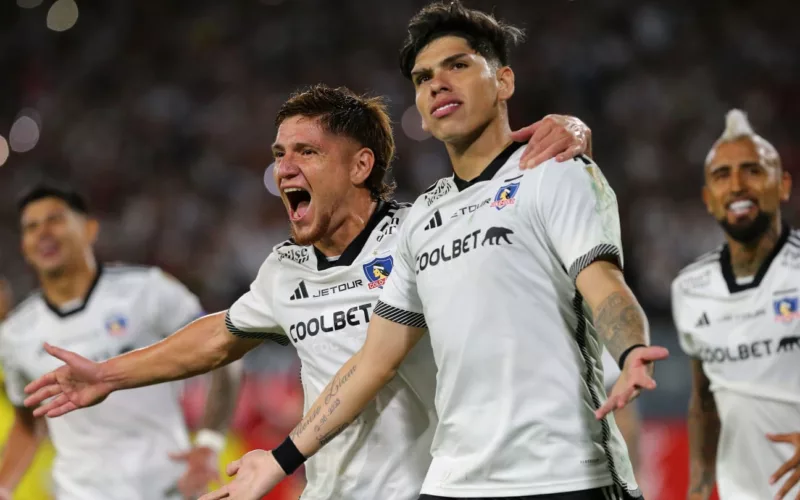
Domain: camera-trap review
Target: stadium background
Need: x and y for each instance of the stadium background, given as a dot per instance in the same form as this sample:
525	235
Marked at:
162	113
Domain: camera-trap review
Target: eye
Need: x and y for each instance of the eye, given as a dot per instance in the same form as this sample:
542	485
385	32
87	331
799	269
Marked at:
459	65
422	79
278	154
308	152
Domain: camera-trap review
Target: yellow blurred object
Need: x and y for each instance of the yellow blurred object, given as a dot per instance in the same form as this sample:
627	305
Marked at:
36	483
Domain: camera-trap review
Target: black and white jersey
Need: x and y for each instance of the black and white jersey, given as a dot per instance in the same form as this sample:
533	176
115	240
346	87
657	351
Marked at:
490	267
120	448
323	309
747	335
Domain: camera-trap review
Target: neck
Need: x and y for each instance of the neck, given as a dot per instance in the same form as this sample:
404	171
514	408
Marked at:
746	258
343	230
70	284
471	156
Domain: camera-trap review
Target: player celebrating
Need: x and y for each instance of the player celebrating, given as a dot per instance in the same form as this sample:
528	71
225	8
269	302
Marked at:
101	311
736	311
496	262
317	292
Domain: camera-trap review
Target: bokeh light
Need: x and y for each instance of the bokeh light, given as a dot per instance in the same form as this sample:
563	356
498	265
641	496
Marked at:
269	181
3	151
63	15
411	123
24	134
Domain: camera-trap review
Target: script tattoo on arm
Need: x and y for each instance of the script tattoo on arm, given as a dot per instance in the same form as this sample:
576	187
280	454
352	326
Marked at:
620	323
704	427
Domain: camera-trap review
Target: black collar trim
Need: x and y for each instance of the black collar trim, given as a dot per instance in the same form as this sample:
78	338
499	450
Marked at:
64	314
727	269
490	171
354	248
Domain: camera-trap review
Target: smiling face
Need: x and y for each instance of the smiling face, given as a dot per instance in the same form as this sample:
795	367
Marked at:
742	191
54	236
313	171
458	92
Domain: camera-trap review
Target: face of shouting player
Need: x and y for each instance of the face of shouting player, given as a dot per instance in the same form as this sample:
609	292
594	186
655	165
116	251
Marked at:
744	192
458	92
316	172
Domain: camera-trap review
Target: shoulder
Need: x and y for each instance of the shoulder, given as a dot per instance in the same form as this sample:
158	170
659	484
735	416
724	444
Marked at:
698	273
288	250
124	272
794	238
22	317
437	190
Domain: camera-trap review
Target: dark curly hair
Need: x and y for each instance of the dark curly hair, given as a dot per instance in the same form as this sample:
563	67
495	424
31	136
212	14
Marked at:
486	35
361	118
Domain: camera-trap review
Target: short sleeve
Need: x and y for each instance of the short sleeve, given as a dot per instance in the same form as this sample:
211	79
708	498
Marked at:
685	339
579	211
13	379
610	370
174	304
399	302
252	316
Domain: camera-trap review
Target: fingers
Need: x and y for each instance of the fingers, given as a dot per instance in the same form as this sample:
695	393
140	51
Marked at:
59	353
233	467
606	408
535	143
62	410
40	382
570	153
551	151
790	464
525	133
179	456
781	438
652	353
43	393
789	484
223	492
50	406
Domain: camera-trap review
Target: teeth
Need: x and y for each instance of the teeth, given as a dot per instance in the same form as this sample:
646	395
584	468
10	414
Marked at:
446	106
291	190
740	206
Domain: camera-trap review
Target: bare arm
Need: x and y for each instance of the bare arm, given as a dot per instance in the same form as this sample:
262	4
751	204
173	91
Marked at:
23	441
704	427
618	317
356	384
201	346
223	392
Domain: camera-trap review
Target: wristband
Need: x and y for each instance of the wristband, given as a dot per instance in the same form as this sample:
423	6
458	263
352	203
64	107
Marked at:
625	354
288	456
208	438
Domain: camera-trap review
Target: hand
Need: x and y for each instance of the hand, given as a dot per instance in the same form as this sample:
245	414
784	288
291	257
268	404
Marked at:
637	374
201	470
6	494
256	474
561	136
78	384
792	465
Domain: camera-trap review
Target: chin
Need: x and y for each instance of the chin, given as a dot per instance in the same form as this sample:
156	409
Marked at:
310	234
748	231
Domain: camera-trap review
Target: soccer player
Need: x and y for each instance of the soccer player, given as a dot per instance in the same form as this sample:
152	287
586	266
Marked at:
504	267
316	292
120	449
736	312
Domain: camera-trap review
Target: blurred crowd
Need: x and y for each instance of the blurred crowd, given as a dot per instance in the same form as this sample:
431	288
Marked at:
162	113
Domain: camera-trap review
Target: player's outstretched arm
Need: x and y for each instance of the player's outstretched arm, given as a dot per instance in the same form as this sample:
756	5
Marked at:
704	426
199	347
355	385
623	328
562	136
23	440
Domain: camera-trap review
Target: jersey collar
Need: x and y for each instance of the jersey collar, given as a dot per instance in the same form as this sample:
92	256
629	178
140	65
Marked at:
490	171
354	248
63	314
727	269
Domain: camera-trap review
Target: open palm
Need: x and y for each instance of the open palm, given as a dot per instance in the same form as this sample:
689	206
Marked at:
77	384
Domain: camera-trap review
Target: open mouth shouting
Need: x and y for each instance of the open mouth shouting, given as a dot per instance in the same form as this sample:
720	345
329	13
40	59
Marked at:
298	202
742	208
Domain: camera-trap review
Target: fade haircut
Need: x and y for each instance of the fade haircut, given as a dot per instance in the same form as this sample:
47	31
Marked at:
487	36
342	112
45	190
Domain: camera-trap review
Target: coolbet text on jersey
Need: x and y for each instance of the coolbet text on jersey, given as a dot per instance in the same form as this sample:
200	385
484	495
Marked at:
322	307
747	335
119	449
489	266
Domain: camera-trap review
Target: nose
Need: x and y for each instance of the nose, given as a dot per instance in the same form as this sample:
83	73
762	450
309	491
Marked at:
439	84
737	181
286	167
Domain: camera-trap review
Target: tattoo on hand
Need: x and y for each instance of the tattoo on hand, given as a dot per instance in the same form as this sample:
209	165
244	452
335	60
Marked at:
620	322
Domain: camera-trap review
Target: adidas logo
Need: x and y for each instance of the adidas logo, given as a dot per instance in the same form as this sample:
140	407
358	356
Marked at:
300	292
703	321
435	221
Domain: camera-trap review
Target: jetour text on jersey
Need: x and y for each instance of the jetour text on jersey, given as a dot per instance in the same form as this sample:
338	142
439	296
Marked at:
329	322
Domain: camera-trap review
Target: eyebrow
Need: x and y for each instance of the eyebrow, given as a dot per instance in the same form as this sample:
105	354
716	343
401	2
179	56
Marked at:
447	60
296	146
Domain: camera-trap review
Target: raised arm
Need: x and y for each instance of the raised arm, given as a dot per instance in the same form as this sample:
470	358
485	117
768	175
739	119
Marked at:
201	346
351	389
704	429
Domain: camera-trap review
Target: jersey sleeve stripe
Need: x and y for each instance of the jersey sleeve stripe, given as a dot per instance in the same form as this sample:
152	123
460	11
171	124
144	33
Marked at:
603	251
275	337
400	316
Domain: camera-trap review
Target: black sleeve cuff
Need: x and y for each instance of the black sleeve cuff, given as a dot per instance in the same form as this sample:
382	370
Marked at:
399	315
275	337
604	251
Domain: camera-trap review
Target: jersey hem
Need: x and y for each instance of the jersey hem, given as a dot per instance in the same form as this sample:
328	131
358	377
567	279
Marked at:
540	489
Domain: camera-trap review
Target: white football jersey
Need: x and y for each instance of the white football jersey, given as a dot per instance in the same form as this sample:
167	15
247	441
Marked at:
748	338
490	266
323	309
117	450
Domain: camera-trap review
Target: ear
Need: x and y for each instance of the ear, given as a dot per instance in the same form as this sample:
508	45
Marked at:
505	83
92	230
786	186
361	167
707	199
